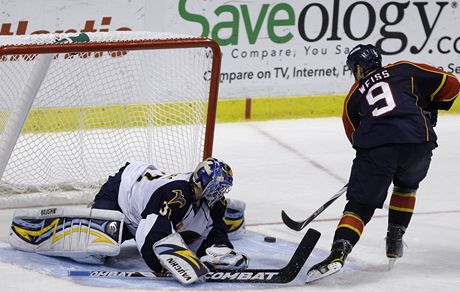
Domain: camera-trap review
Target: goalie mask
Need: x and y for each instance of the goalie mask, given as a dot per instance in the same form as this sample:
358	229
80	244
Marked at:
212	179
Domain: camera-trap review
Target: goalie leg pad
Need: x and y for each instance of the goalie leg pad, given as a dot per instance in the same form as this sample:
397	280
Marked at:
176	257
85	235
225	258
234	219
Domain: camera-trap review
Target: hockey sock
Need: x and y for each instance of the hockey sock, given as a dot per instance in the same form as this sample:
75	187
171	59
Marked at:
402	206
351	225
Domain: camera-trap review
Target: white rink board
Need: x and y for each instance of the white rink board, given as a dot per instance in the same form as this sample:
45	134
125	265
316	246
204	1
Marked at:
270	48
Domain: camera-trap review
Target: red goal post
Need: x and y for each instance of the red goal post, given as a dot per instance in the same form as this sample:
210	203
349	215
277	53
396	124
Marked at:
139	86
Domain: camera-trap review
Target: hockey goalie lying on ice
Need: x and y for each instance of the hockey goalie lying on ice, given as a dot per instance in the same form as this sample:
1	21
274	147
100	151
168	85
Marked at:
180	222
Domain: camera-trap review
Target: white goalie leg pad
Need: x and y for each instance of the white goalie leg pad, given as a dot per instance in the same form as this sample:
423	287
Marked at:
223	257
85	235
234	219
176	257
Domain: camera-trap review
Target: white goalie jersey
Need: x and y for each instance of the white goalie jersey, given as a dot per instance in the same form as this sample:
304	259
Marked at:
147	193
153	206
157	204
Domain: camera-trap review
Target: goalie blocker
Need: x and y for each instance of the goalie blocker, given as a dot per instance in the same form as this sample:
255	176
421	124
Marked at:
175	256
84	235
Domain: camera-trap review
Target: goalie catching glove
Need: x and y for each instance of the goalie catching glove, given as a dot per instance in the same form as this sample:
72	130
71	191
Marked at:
223	257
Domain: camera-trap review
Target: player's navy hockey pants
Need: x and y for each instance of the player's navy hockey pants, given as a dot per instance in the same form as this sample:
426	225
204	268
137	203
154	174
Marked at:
373	171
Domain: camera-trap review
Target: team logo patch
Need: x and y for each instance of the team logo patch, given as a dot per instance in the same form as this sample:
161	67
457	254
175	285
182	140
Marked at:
178	199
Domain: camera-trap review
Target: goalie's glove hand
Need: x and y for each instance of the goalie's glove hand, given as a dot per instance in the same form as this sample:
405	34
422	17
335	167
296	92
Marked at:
223	257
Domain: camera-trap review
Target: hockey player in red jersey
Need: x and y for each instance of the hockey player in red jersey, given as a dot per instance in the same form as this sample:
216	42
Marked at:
389	115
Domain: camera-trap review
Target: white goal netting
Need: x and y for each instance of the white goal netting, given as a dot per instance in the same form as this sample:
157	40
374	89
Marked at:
88	112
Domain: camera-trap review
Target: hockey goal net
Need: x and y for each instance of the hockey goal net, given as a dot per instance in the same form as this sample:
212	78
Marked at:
75	107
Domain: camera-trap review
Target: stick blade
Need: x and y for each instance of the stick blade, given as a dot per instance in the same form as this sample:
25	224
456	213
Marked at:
300	256
299	225
267	276
294	225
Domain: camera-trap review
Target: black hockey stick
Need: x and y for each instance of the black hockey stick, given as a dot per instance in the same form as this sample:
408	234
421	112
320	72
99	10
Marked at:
299	225
269	276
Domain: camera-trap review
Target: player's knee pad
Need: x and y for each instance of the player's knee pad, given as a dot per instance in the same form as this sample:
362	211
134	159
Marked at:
85	235
234	219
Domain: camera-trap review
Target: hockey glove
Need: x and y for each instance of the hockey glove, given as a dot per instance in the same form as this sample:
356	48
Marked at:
223	257
175	256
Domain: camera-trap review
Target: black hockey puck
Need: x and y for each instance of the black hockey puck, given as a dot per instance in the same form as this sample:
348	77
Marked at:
269	239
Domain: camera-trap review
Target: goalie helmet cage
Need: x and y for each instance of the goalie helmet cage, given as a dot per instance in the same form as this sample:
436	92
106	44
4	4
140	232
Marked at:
75	107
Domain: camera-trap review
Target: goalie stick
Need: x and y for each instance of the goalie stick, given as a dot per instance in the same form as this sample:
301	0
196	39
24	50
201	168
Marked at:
269	276
299	225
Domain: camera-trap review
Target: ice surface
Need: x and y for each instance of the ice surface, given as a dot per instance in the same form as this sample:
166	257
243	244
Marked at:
129	260
296	165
